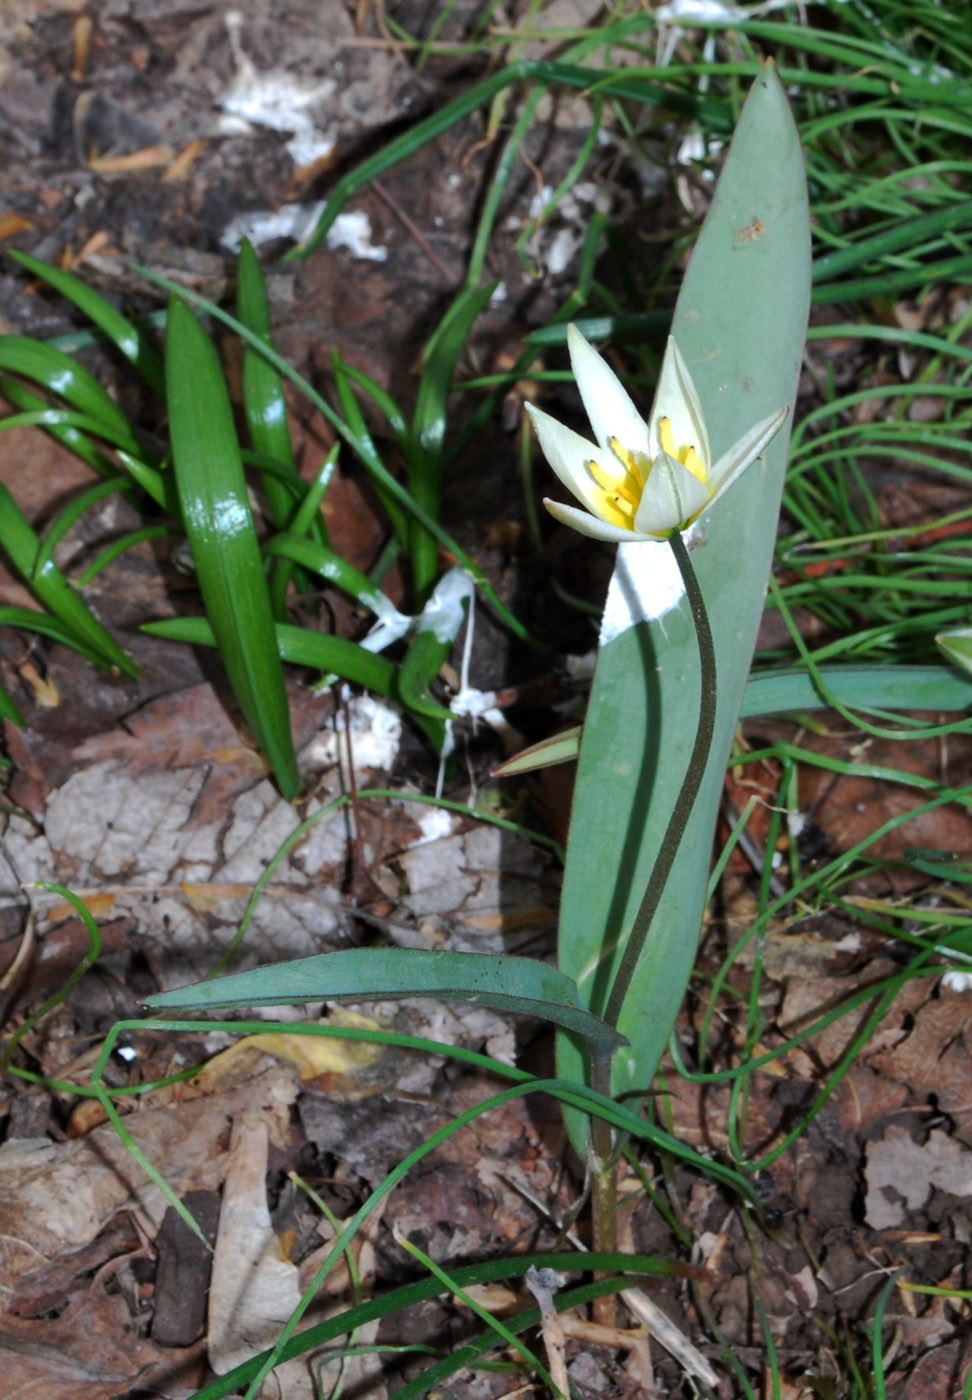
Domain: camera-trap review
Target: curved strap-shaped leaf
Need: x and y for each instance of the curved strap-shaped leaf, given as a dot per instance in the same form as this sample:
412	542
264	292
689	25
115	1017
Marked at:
520	985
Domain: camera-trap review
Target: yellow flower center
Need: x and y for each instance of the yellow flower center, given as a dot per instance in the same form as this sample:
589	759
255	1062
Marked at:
622	494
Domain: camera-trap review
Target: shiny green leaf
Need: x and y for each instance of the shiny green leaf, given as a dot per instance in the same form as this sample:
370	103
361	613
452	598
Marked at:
264	405
299	647
128	337
53	591
435	634
429	427
219	525
58	373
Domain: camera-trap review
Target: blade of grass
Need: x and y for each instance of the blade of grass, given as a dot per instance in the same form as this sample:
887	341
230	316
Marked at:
65	426
305	518
337	571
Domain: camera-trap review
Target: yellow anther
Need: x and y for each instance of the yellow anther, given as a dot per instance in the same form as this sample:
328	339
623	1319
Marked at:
630	463
622	454
692	462
613	486
617	505
688	456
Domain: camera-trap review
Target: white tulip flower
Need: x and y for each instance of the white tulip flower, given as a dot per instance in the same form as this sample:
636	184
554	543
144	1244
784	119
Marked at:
642	481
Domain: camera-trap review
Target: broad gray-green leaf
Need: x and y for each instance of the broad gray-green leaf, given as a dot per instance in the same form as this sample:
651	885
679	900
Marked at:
520	985
740	325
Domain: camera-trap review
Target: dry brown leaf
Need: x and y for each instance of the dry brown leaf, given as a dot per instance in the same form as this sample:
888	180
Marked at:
254	1288
56	1196
911	1170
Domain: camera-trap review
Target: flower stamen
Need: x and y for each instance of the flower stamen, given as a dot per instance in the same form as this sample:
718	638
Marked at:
687	456
618	498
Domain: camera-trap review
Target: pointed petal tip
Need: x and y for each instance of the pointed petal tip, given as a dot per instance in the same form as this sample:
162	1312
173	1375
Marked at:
592	526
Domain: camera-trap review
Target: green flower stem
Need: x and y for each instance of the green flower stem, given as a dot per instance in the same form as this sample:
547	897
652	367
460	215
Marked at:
688	793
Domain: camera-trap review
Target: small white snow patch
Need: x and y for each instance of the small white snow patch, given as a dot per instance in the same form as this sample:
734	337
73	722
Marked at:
562	248
261	226
443	614
434	823
275	100
352	230
645	585
375	736
698	12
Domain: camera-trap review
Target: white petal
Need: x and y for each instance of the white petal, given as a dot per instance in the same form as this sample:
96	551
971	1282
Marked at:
743	453
677	399
608	404
672	496
568	453
592	526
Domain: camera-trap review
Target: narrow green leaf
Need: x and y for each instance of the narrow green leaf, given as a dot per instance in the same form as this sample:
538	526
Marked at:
160	485
337	571
524	986
47	626
307	518
299	647
264	405
957	646
66	426
58	373
128	337
429	426
52	589
867	687
122	545
791	692
8	710
435	634
559	748
66	519
362	444
219	524
380	396
902	236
